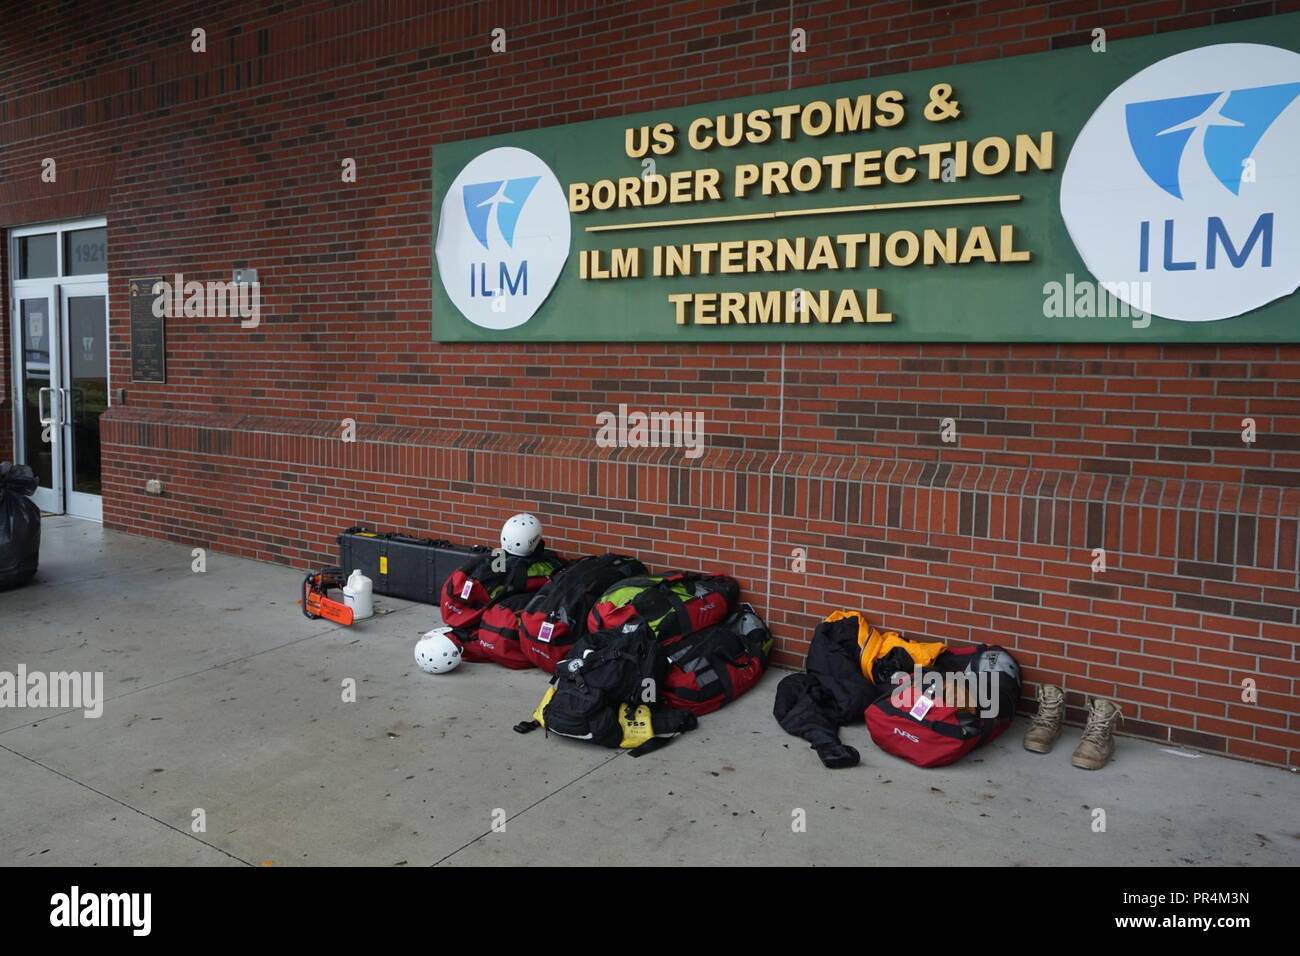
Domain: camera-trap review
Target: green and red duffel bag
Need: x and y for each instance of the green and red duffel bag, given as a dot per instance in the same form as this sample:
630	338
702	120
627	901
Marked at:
933	729
486	579
557	615
717	664
495	639
672	604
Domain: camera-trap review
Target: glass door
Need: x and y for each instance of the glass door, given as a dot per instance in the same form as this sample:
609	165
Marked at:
83	392
38	437
59	331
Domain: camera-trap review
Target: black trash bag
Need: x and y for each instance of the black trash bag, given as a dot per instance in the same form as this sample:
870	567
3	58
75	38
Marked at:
20	526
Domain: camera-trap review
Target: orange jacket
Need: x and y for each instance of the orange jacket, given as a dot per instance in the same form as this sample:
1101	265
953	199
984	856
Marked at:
874	644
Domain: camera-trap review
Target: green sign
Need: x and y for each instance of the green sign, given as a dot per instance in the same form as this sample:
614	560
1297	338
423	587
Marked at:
1137	191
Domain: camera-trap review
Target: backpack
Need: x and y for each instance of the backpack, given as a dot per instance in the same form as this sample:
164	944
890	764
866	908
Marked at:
600	690
557	614
476	585
950	726
716	665
496	638
638	728
673	604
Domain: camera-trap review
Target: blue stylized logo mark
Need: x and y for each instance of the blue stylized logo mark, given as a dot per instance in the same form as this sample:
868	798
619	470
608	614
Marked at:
1230	125
506	196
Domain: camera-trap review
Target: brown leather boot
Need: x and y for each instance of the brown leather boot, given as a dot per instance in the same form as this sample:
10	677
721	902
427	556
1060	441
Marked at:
1098	741
1046	726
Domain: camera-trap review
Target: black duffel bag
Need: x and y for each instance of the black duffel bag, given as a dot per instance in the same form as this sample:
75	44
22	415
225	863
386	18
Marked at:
20	526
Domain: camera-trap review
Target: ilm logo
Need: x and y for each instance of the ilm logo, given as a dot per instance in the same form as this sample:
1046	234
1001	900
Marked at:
504	226
1213	136
1225	128
1189	192
497	204
504	197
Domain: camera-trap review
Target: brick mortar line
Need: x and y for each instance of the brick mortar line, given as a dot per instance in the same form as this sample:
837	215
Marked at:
124	420
1066	593
615	347
972	474
302	80
289	53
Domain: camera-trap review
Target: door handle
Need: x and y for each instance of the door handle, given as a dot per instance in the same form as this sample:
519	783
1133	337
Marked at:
65	406
40	406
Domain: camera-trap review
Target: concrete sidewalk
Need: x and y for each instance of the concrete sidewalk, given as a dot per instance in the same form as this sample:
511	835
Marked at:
222	697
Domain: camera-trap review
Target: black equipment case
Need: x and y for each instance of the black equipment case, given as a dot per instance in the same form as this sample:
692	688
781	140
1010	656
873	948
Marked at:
413	569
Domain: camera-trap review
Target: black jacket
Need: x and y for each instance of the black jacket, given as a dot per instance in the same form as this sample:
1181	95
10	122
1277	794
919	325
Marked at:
832	692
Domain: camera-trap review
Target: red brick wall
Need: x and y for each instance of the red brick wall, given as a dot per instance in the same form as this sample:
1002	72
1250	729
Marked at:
206	162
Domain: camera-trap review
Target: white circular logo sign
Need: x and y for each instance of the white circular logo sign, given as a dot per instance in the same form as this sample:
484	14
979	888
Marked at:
503	237
1181	192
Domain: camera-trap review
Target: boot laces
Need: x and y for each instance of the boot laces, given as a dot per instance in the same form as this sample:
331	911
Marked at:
1049	712
1101	725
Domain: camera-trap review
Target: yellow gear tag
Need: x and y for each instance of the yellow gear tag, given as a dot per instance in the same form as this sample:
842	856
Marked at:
637	725
383	564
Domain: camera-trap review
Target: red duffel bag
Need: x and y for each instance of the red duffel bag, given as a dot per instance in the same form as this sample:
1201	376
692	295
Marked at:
490	577
717	664
557	615
672	604
933	731
496	638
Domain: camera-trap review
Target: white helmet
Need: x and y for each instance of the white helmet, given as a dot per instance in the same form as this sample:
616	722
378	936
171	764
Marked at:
436	653
997	661
520	535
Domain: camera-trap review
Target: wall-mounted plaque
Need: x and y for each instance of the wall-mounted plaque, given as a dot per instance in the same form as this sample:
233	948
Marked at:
148	333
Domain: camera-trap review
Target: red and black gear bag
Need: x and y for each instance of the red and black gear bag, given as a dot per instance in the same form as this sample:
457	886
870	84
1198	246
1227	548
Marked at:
944	733
496	638
477	584
672	604
716	665
557	614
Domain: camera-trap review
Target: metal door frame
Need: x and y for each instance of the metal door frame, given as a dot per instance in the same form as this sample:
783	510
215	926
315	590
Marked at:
54	289
79	503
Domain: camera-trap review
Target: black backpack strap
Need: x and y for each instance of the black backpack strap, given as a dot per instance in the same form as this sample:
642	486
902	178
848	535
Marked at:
668	723
651	745
672	724
516	577
708	676
509	633
658	599
962	730
679	608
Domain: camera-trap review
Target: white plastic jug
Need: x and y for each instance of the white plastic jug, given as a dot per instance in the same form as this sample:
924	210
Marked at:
359	594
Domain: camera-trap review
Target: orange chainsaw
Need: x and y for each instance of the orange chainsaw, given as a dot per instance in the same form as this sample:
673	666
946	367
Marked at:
316	602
